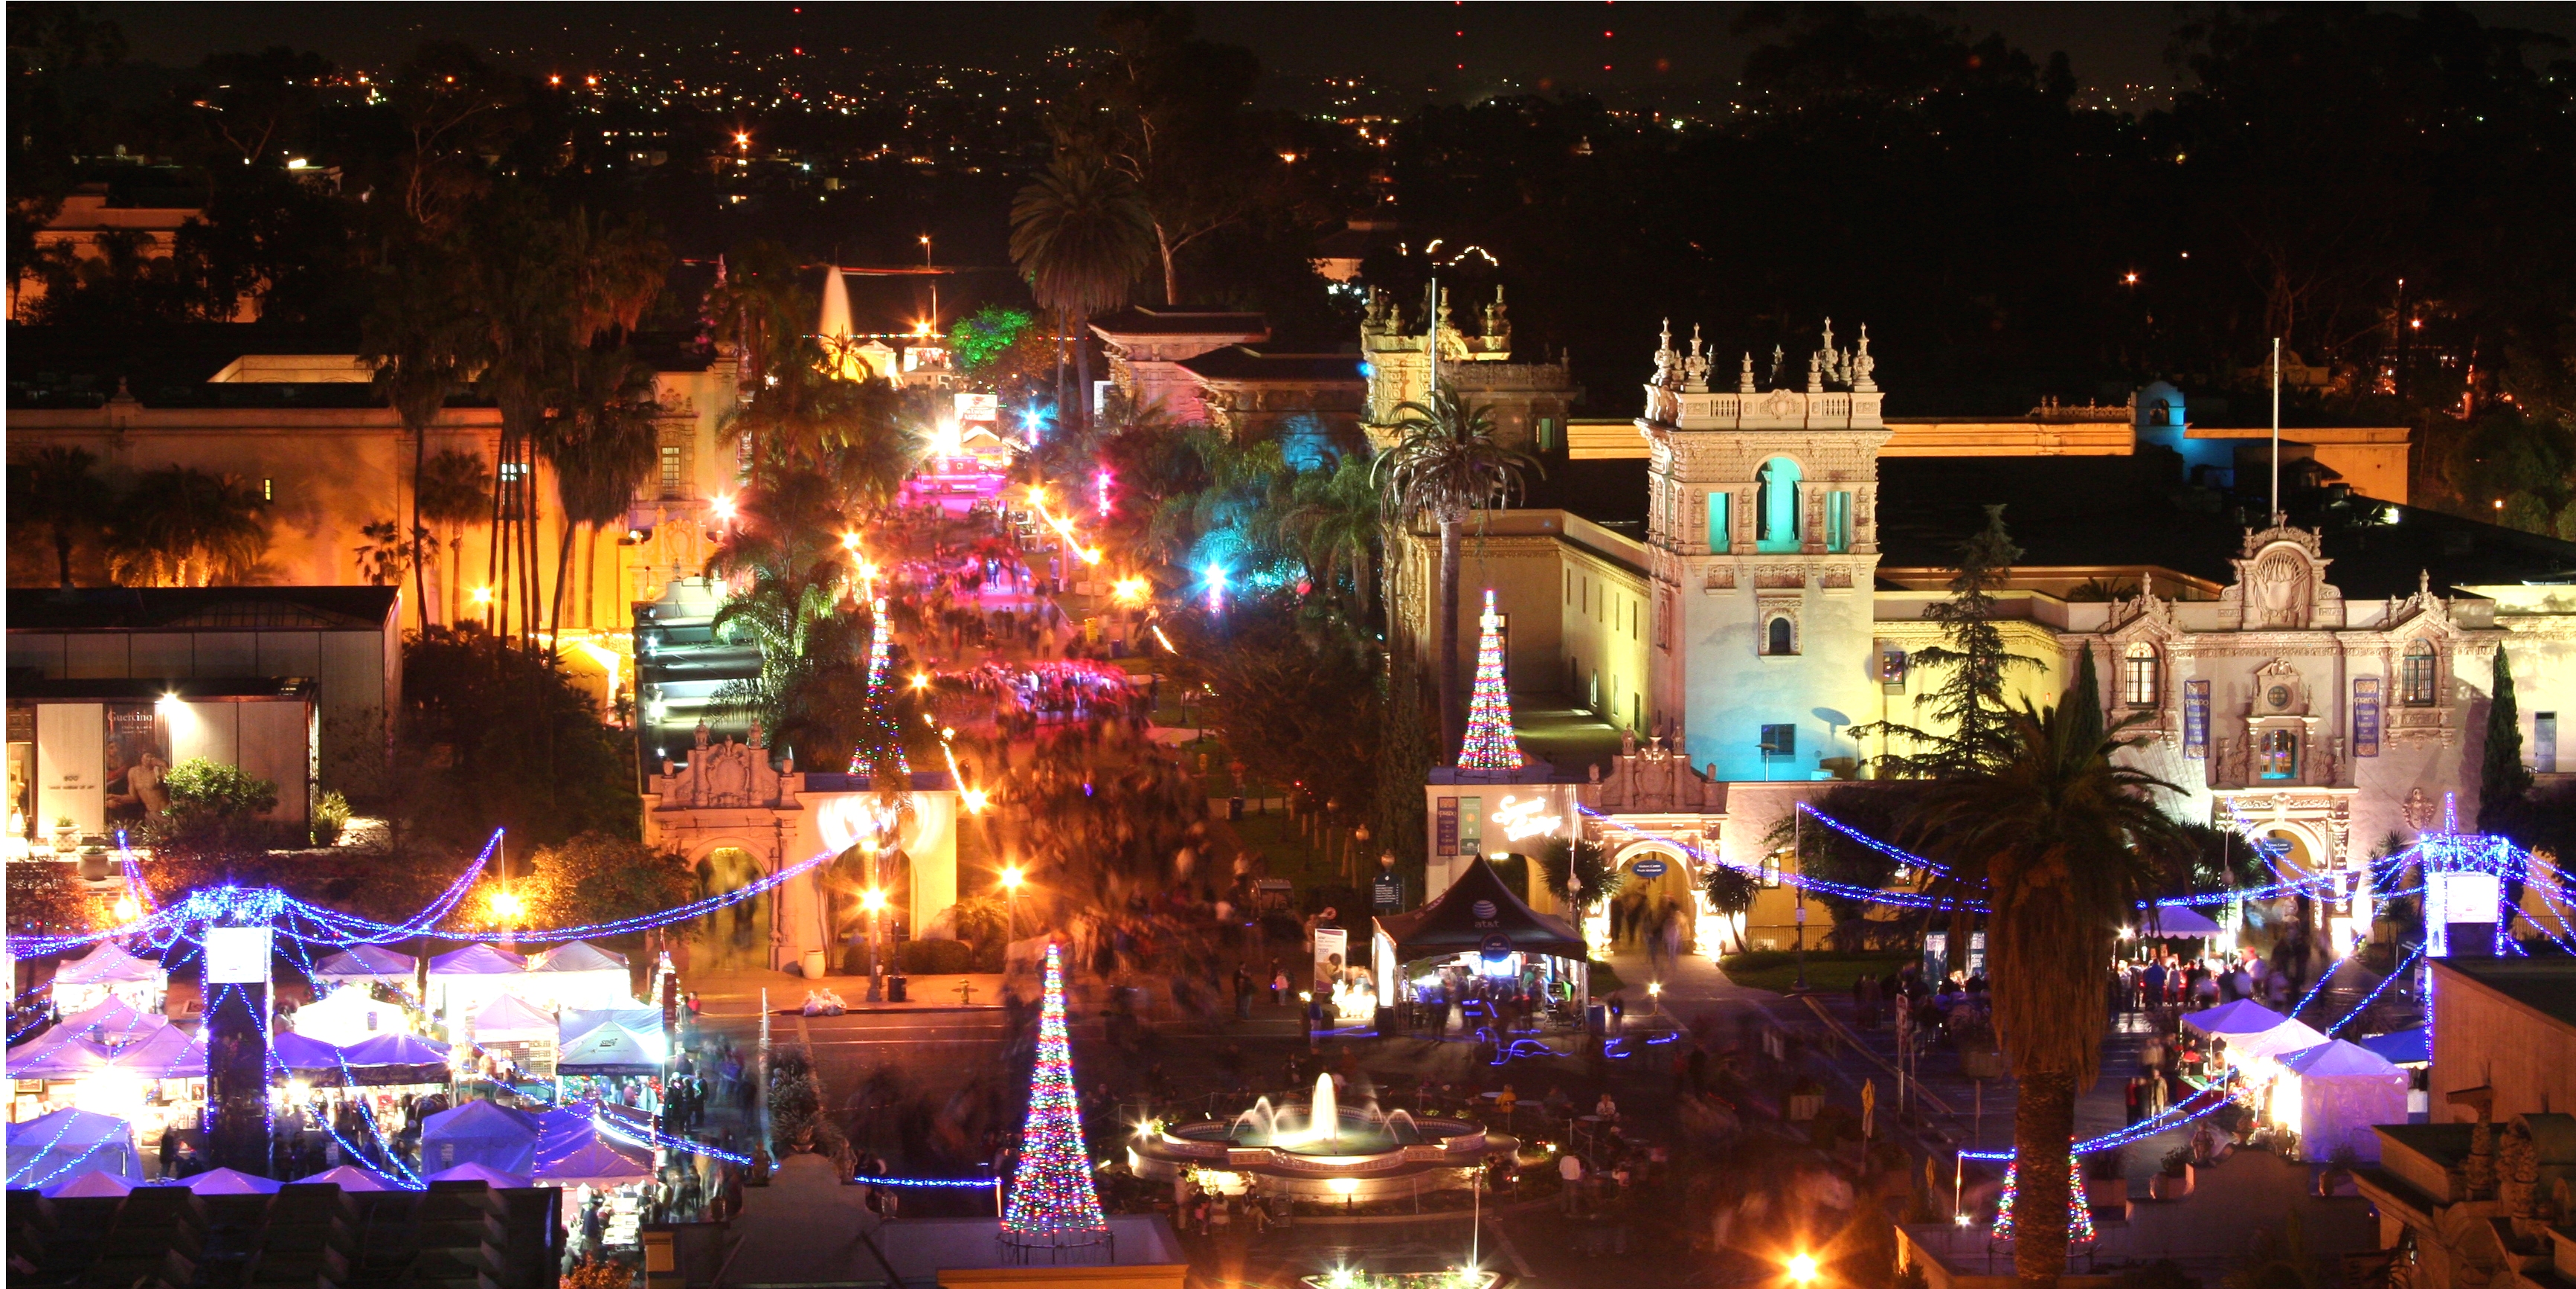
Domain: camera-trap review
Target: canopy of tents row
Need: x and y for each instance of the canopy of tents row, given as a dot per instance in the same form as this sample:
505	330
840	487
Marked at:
563	1147
2251	1030
577	974
54	1147
110	964
2329	1093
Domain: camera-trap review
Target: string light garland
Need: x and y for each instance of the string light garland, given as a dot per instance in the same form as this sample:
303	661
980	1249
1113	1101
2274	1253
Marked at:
928	1183
2079	1216
2384	982
1051	1194
1490	746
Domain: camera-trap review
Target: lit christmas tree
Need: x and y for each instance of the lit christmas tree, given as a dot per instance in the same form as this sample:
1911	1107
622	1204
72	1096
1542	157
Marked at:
1490	744
879	719
1051	1193
2079	1219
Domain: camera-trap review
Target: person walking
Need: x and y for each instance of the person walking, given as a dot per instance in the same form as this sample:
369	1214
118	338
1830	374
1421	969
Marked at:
1569	1174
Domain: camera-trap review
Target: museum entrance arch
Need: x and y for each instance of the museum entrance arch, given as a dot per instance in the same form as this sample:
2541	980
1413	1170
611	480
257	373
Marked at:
736	937
1657	895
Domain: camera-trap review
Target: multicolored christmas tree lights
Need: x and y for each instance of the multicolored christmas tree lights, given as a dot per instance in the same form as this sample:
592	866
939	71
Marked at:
1051	1193
879	719
2079	1218
1490	744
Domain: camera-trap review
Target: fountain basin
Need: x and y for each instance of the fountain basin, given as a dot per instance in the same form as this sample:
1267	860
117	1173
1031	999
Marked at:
1361	1156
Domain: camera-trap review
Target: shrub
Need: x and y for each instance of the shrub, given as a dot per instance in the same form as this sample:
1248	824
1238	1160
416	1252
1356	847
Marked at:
330	819
212	806
936	957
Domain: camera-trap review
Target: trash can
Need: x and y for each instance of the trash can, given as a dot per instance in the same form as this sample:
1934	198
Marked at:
1596	1020
894	990
813	964
1234	808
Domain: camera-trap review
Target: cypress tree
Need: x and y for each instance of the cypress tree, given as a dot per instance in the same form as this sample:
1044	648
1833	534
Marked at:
2503	780
2083	701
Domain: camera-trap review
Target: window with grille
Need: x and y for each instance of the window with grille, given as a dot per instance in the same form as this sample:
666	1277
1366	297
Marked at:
671	479
2416	679
2138	677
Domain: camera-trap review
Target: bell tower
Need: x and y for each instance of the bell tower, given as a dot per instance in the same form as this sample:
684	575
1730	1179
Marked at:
1762	537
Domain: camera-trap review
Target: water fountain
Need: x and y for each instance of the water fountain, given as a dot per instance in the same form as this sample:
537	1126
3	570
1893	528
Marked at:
1323	1151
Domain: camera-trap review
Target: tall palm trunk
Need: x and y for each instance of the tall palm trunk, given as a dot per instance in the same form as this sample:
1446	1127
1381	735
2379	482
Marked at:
419	566
2043	1129
1082	376
1453	704
454	569
563	566
496	605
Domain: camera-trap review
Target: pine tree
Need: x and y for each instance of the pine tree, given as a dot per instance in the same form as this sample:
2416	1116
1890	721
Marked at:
2503	779
1051	1193
2084	697
1490	745
1970	700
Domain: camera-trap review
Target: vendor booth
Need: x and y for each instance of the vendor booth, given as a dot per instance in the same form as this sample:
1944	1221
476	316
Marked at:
308	1060
108	971
612	1049
519	1030
578	975
350	1177
1479	919
492	1177
2329	1096
2176	922
111	1022
2249	1031
389	1060
479	1133
368	964
466	981
46	1150
163	1081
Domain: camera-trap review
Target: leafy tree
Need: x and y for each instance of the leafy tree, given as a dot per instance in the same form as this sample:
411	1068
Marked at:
1403	757
1334	520
2062	844
1731	891
983	337
1081	236
180	526
422	342
386	553
497	738
55	491
604	443
1295	714
1167	111
1970	699
1446	464
592	877
1875	810
758	305
261	104
1565	865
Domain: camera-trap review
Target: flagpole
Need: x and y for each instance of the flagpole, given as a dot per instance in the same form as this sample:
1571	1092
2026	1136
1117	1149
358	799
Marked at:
2276	429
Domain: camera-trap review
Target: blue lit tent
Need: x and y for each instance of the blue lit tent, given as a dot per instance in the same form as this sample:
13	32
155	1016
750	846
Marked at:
51	1058
390	1059
367	963
309	1059
611	1049
479	1132
171	1053
572	1151
2402	1047
50	1148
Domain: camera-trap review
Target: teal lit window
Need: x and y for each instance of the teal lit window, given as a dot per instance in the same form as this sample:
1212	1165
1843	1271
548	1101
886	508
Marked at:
1777	507
1717	521
1838	521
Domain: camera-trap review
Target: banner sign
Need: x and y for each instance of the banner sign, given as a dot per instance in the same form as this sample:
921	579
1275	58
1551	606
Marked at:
1331	942
1650	869
1387	893
237	955
2195	718
1448	827
2365	716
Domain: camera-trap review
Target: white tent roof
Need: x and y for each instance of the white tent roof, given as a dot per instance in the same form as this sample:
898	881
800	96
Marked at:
108	964
171	1053
608	1046
2288	1036
509	1019
368	962
477	960
579	955
2170	920
342	1017
2228	1020
579	1021
2334	1057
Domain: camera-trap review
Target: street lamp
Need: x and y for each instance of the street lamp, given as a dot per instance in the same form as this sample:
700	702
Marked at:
874	901
1802	1269
1011	879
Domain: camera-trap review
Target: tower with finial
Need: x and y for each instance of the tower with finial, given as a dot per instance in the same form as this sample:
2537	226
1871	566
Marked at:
1763	546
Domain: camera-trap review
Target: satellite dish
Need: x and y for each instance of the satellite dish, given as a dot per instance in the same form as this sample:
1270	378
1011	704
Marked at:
1831	717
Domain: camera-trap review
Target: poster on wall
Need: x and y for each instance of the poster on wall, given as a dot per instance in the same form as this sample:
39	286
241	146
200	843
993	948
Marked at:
22	771
67	760
2195	718
136	760
2365	716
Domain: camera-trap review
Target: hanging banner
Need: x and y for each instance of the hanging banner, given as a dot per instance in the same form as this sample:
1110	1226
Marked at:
2365	716
238	955
2195	718
1448	826
1331	945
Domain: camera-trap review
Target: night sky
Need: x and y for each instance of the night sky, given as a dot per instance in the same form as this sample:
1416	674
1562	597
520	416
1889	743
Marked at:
2109	44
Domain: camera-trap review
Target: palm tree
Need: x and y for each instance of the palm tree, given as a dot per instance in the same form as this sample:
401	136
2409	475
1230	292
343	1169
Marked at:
1081	235
184	527
421	339
2064	844
386	553
758	306
1446	463
603	448
1335	519
454	489
57	491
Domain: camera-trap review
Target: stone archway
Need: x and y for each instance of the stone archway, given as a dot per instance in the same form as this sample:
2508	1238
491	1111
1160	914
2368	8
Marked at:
1666	887
739	936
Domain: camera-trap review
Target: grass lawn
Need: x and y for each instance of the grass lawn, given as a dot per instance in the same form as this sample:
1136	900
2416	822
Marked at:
1777	969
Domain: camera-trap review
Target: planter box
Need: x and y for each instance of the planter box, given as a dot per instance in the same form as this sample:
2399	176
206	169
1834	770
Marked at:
2107	1192
2166	1186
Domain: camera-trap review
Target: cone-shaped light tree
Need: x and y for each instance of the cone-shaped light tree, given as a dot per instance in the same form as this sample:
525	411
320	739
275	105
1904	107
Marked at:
1490	743
1052	1200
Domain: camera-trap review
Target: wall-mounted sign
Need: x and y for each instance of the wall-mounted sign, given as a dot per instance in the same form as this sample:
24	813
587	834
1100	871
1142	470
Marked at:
2195	718
1387	892
2365	716
1650	869
1447	813
1518	818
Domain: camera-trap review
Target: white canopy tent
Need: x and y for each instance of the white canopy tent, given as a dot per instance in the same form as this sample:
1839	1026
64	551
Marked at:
612	1049
578	974
2251	1030
2331	1094
466	981
509	1019
348	1016
108	971
367	964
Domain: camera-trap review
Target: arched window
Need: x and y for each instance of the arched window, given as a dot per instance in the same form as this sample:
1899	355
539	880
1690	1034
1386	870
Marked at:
2416	682
1781	637
2138	687
1776	516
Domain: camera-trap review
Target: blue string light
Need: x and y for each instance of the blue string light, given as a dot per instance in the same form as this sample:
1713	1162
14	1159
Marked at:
2385	981
927	1183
